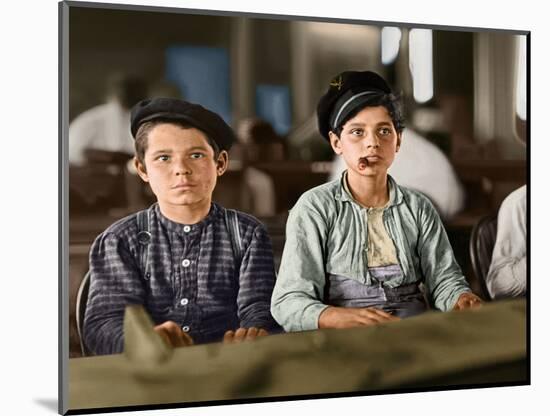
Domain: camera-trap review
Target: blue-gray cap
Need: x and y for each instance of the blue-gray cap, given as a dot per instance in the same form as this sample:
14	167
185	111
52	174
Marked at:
346	92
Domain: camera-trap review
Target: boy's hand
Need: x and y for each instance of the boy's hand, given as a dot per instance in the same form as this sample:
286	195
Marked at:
243	334
173	335
467	300
338	317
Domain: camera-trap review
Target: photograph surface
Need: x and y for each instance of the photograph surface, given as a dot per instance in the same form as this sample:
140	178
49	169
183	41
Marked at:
267	208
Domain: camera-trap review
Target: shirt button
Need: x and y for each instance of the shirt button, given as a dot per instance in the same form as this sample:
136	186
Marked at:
185	263
185	328
184	301
186	228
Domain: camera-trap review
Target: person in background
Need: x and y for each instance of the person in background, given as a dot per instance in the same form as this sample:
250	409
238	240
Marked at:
102	131
100	147
260	143
507	276
359	248
195	288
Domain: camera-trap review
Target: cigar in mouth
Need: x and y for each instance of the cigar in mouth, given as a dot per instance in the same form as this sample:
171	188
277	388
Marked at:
363	162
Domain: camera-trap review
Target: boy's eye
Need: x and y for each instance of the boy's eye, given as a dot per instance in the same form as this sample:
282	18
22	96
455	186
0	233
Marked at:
385	131
357	132
164	158
197	155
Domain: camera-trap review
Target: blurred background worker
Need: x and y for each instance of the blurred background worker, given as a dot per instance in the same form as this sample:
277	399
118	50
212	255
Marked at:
422	166
507	275
100	146
259	143
101	133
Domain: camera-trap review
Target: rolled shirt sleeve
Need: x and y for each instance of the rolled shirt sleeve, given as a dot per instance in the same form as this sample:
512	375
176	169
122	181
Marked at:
443	277
296	303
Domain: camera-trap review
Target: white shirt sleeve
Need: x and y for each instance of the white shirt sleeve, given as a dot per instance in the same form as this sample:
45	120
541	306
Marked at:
507	273
82	132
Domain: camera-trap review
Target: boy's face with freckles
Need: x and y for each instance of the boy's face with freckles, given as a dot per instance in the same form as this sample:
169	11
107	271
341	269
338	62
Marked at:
180	166
368	142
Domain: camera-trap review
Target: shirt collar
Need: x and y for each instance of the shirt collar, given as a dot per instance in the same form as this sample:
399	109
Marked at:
180	228
344	194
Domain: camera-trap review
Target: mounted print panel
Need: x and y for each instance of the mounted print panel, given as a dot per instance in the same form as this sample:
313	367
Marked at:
269	208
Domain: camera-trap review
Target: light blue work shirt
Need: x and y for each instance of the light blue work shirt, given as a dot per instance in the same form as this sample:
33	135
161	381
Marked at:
326	234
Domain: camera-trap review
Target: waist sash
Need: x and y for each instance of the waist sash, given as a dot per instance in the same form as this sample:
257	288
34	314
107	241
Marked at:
402	301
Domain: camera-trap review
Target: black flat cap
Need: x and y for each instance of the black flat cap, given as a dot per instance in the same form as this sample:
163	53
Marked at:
178	110
345	93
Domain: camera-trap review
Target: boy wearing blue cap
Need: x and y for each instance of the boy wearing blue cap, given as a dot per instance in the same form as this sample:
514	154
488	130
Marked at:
179	257
358	248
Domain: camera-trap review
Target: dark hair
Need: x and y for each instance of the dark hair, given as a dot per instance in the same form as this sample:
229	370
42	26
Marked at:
392	102
142	136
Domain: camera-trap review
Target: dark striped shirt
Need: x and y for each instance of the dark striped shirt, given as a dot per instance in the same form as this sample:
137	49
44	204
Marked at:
195	279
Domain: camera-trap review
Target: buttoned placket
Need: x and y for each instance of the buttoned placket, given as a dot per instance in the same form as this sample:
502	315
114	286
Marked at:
188	274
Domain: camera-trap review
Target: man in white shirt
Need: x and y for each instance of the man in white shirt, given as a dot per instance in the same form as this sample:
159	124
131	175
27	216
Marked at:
100	146
508	270
423	167
105	127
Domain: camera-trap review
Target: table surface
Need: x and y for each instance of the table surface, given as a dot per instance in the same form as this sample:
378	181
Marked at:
475	347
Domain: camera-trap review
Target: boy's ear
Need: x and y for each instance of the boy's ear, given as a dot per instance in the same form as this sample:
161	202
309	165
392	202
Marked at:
335	143
141	171
222	163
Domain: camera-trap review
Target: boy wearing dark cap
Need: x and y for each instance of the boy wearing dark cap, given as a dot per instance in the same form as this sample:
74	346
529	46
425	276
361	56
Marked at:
358	248
192	283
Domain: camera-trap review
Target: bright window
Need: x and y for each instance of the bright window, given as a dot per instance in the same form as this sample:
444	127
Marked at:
521	79
421	64
391	37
